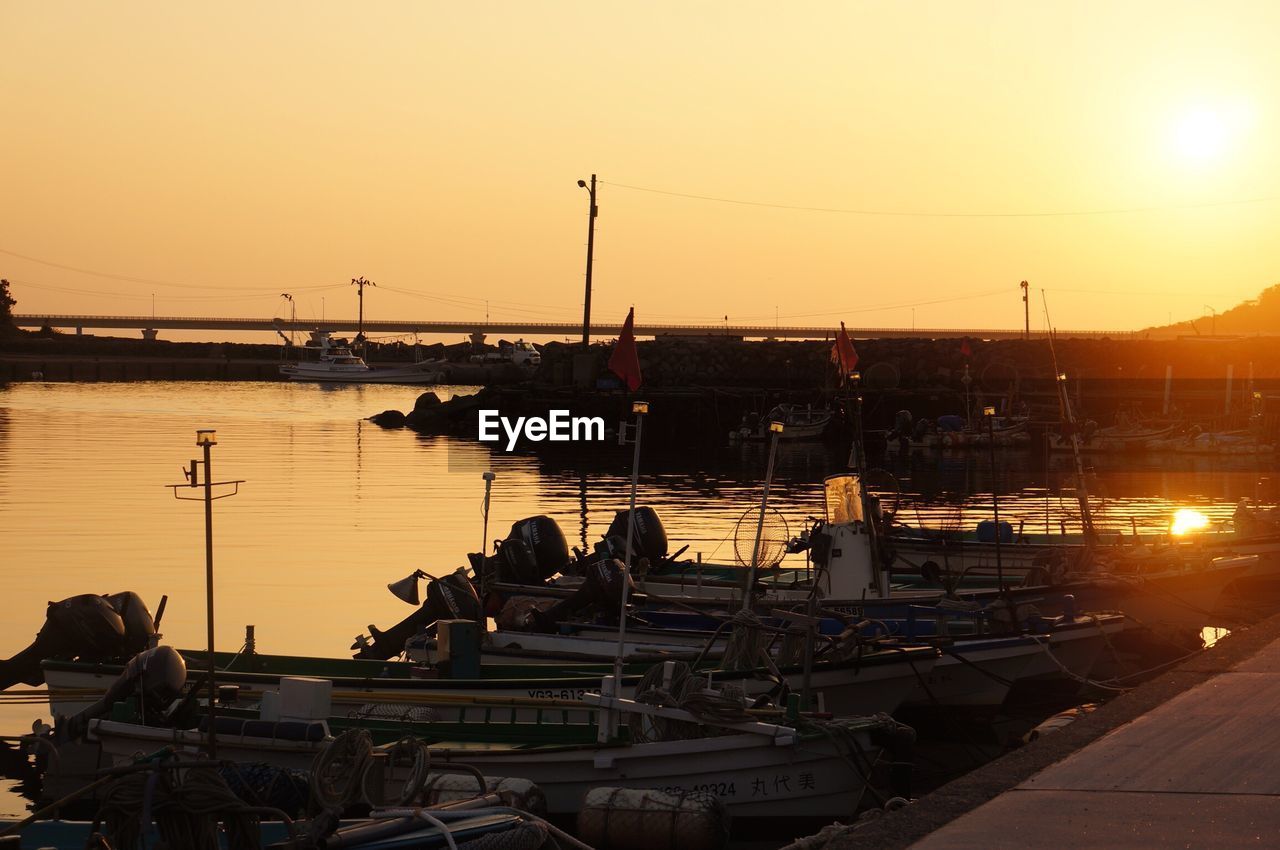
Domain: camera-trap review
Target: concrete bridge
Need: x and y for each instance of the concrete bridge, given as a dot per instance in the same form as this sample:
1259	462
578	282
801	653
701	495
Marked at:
150	325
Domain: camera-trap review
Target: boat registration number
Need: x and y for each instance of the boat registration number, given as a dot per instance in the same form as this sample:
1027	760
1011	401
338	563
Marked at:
552	693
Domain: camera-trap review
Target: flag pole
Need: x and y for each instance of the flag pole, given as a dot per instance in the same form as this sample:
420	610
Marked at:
639	408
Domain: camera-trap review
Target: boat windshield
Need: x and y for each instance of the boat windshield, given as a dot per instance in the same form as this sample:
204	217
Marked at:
844	498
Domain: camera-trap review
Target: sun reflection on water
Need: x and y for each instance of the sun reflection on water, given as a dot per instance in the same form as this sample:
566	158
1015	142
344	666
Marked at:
1186	520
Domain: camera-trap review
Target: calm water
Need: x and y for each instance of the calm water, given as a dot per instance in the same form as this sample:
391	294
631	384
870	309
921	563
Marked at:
333	507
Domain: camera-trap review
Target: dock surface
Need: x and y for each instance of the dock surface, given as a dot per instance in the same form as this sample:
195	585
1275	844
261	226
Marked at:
1197	771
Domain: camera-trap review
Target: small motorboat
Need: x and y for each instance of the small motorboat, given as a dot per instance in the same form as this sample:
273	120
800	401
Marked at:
799	422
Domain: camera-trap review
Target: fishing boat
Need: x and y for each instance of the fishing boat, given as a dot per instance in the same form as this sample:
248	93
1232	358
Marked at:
847	572
980	661
955	433
1125	437
327	361
1242	442
800	422
758	764
875	681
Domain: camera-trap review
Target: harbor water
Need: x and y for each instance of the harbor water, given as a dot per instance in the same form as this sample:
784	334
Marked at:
332	507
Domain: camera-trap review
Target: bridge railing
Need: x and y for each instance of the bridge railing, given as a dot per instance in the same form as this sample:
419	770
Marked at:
553	328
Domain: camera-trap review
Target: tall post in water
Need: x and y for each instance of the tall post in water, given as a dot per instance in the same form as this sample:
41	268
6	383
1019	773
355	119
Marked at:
775	429
1230	374
639	408
484	536
1168	388
990	414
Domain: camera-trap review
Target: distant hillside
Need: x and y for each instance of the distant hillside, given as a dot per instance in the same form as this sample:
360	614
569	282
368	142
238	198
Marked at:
1259	316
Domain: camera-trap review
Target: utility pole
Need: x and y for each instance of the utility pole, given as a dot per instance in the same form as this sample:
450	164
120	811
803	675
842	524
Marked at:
361	283
1026	311
293	315
592	212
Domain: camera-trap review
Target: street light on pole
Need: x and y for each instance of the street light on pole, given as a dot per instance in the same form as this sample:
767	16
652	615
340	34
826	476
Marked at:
361	283
1026	310
592	212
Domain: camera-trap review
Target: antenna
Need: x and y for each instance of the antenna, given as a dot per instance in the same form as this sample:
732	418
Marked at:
206	439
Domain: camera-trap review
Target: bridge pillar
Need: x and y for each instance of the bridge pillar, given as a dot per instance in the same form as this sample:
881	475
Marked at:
79	331
149	333
477	338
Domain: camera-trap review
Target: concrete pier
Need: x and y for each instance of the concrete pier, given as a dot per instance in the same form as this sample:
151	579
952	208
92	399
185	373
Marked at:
1186	760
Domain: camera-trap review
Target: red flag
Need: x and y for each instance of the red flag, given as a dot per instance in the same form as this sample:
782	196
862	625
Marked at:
842	352
965	350
625	360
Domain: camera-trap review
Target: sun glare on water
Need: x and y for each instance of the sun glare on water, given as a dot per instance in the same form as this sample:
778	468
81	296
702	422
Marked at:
1187	520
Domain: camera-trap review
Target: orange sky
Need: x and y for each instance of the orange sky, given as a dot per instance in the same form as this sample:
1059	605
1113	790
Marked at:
246	150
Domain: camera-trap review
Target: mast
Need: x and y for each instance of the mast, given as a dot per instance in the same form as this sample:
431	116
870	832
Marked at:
1068	417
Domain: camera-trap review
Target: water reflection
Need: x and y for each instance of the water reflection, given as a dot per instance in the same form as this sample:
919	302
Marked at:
335	507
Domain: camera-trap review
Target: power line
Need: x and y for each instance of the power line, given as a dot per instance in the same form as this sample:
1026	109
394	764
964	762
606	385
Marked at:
934	214
148	281
136	296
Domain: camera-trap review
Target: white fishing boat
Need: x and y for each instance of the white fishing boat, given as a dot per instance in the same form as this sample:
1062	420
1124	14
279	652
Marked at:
877	681
906	435
756	769
329	362
1125	437
1222	443
800	422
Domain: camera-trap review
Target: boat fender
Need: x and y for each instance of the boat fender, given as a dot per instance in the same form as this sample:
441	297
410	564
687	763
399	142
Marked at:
517	793
898	740
1061	720
634	819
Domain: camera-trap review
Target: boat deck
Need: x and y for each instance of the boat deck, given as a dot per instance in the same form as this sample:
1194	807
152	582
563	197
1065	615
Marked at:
1197	771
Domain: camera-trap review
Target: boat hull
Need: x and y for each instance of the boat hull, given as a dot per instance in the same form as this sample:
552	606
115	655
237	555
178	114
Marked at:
753	775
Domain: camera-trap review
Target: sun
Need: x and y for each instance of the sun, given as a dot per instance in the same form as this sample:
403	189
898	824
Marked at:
1209	133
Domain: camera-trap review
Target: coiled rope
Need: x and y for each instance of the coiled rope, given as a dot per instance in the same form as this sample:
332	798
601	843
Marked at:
186	813
688	692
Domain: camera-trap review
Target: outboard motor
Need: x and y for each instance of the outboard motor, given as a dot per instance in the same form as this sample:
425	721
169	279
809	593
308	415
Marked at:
139	627
156	676
601	589
88	627
451	597
903	427
533	552
649	539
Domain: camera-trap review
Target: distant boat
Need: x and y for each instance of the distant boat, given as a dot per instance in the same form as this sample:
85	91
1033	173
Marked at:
330	362
799	422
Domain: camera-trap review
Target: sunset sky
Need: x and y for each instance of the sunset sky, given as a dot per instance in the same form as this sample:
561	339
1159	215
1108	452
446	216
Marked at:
898	158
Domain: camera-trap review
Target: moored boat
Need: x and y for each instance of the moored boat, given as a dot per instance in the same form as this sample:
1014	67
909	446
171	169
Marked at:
326	361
